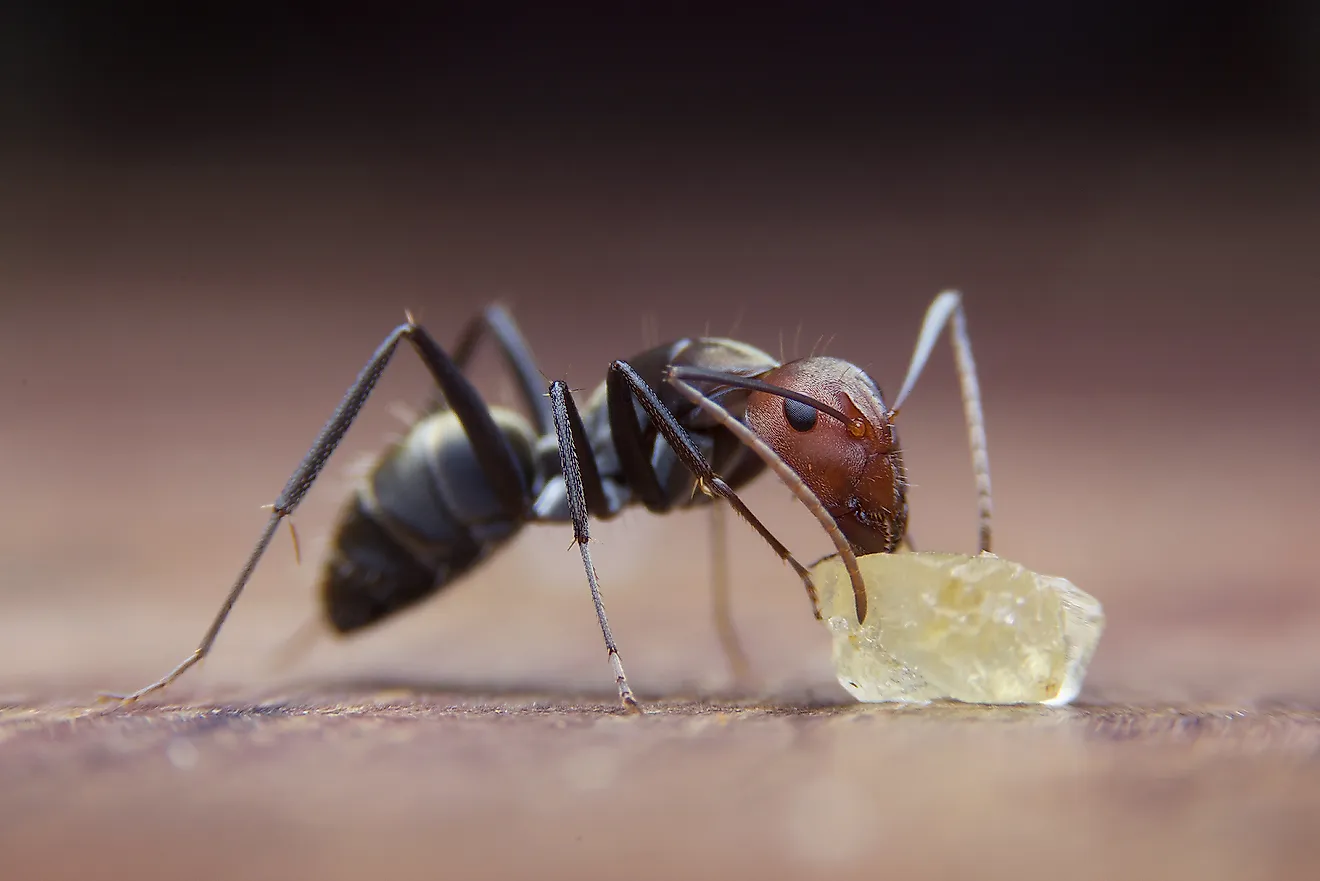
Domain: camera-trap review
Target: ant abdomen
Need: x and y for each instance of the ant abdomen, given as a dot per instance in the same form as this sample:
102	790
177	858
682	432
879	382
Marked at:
424	516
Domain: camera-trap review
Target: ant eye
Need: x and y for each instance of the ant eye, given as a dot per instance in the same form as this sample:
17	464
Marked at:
799	415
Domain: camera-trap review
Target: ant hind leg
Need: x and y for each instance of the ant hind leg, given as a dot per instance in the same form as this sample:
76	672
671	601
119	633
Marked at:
489	444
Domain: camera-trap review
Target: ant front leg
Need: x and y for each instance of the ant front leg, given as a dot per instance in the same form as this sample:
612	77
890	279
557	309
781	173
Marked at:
623	384
585	492
947	309
795	483
489	445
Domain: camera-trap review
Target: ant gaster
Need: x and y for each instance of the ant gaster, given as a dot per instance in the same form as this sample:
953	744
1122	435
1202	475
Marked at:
706	414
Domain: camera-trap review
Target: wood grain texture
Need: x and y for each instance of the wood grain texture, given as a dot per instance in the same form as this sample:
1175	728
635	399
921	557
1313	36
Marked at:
509	786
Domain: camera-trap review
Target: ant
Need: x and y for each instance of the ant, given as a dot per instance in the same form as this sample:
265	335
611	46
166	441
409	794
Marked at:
681	424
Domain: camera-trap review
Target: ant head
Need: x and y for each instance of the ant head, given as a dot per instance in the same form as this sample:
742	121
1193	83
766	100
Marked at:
837	434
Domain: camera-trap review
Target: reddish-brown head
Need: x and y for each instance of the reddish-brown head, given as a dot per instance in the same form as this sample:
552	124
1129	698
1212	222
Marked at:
854	467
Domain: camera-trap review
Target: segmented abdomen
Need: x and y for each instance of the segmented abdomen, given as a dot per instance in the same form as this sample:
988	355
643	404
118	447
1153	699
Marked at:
425	516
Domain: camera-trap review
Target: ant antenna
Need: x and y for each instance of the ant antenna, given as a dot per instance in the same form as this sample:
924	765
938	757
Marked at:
751	383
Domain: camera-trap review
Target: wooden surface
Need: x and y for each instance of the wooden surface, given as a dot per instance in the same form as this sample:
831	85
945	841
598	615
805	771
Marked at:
407	786
1152	424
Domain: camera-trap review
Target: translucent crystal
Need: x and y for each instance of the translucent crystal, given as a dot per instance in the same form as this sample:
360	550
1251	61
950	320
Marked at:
952	627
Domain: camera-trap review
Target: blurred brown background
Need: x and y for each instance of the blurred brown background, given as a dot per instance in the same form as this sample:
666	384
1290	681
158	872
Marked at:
207	224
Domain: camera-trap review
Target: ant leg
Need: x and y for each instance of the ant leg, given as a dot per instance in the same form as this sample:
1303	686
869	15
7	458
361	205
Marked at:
623	384
640	475
791	479
492	451
946	306
721	611
496	321
582	484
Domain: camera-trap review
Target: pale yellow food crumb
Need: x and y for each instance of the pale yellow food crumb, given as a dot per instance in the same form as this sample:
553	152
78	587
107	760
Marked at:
952	627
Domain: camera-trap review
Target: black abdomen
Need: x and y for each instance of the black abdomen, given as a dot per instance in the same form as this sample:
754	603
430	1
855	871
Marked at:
370	575
425	516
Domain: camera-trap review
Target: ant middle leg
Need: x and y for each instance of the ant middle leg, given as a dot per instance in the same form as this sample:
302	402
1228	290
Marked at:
494	457
586	495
